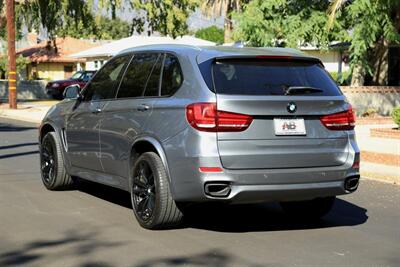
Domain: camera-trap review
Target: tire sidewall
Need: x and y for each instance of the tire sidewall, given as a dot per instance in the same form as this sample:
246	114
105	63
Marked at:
49	137
156	176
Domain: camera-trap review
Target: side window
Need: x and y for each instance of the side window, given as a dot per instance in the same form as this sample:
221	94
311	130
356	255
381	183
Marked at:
153	83
172	76
137	75
105	84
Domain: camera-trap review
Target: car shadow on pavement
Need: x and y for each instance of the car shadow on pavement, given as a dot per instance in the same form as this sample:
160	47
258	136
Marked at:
5	127
241	218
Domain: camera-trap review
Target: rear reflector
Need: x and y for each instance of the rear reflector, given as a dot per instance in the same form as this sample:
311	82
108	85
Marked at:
210	169
205	117
356	165
339	121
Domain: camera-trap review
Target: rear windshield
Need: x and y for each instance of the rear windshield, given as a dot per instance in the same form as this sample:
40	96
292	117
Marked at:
266	77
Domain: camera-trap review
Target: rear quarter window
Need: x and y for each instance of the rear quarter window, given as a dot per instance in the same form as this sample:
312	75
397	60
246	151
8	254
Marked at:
270	77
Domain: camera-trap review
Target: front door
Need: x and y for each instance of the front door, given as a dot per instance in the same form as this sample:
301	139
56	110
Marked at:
83	125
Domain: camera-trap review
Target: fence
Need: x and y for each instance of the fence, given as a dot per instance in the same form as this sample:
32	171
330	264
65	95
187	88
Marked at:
381	98
26	90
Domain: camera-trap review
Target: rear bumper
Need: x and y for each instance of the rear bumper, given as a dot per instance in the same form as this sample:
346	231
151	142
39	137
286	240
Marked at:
251	185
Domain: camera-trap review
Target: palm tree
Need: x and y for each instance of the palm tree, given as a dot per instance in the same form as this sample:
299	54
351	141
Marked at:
218	8
333	9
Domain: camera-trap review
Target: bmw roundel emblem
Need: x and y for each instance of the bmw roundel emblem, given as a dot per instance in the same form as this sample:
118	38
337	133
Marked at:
291	107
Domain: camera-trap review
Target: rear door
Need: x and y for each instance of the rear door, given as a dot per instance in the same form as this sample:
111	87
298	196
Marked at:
286	131
125	118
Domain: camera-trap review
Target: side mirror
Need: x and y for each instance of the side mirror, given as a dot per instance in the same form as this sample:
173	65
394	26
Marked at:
72	91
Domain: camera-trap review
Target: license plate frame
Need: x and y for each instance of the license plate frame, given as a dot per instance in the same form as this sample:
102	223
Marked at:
289	126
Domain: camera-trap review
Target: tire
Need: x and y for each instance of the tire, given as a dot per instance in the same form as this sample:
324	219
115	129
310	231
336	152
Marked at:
52	168
310	209
152	202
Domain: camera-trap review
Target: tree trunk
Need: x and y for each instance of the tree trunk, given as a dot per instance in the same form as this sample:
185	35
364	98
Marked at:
228	28
358	75
380	63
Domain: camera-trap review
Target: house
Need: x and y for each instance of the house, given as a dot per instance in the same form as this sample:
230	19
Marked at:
96	57
335	58
51	60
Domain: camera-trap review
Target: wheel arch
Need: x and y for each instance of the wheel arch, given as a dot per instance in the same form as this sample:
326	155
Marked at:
149	144
45	129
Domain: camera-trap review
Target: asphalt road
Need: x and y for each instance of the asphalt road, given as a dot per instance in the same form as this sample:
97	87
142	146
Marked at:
94	225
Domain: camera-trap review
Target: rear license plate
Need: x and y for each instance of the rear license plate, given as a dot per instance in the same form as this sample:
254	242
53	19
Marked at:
289	127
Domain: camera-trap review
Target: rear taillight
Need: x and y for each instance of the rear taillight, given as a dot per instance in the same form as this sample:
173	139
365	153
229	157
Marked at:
205	117
340	121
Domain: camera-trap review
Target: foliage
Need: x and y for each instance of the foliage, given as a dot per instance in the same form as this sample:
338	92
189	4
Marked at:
212	33
111	5
373	21
55	15
224	8
286	23
345	79
167	17
369	112
21	63
396	115
103	28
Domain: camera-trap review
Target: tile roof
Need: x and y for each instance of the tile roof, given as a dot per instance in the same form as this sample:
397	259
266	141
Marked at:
45	51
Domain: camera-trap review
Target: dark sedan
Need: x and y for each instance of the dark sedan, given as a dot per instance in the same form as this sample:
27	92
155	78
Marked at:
56	88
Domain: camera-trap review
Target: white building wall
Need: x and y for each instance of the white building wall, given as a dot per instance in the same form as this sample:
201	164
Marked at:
95	64
331	59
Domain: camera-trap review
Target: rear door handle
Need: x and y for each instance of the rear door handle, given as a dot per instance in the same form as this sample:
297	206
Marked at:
143	107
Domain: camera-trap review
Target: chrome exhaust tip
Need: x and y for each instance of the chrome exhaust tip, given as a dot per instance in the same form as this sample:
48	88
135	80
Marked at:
351	183
217	189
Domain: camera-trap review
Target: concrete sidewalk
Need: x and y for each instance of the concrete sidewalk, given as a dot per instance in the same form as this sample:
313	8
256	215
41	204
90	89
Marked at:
34	111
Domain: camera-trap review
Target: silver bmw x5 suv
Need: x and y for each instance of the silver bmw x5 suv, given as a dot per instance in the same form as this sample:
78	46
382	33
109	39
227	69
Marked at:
176	124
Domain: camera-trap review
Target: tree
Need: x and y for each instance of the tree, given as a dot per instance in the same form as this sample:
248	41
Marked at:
225	8
21	65
375	25
370	25
111	5
167	17
286	23
103	28
212	33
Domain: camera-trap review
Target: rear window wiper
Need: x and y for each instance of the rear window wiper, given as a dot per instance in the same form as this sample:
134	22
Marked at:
297	90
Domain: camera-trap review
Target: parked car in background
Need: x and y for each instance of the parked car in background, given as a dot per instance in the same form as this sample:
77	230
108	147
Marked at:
175	125
56	88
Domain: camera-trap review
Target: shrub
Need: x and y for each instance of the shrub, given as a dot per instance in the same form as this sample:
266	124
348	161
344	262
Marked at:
344	80
396	115
370	112
212	33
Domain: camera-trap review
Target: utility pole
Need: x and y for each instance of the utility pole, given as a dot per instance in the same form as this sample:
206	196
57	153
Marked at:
12	70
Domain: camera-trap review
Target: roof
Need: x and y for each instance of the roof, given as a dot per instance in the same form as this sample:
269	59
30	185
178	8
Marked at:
205	53
45	52
332	45
113	48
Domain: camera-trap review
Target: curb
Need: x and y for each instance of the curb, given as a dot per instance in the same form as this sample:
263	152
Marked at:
20	118
381	178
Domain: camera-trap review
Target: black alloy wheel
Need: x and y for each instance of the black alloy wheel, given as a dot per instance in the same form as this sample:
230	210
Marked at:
48	161
143	191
